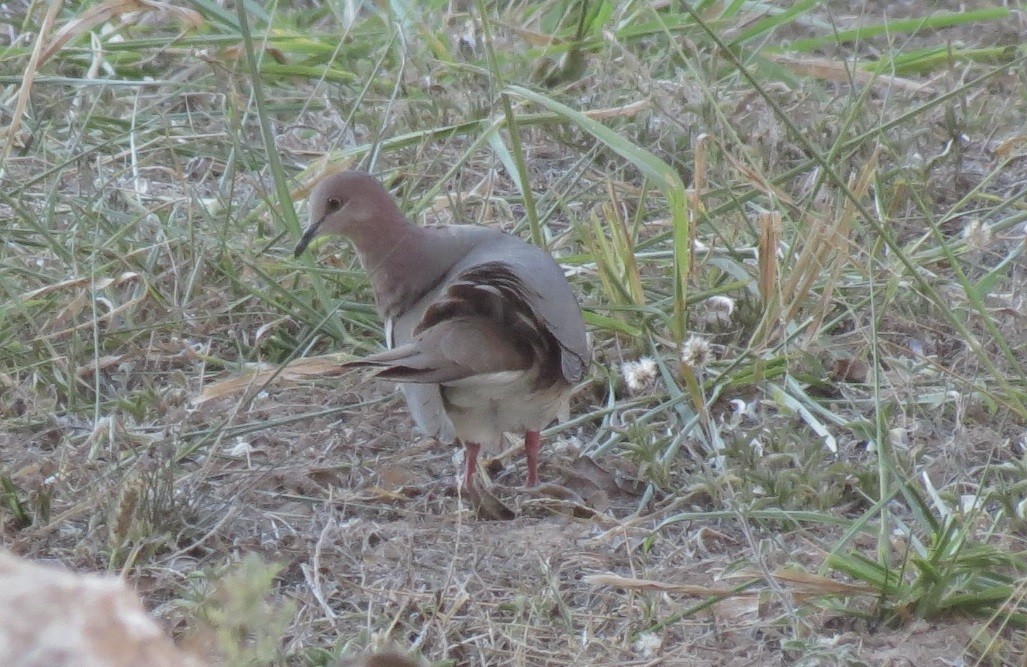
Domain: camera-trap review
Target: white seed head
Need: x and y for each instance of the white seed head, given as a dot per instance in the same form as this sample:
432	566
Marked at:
977	235
720	303
696	352
648	644
240	448
639	375
718	309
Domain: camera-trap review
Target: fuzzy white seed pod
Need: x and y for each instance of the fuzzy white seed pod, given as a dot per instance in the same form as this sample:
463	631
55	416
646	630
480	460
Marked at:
977	235
639	375
718	309
696	352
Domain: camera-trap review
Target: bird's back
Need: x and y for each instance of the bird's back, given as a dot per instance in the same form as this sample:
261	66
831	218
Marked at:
501	274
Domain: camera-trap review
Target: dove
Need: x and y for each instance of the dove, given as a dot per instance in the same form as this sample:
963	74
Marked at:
484	333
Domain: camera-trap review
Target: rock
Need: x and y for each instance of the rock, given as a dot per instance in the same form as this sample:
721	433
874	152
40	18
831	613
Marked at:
55	618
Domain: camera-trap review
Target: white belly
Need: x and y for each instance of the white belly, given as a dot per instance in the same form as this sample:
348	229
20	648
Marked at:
482	412
483	409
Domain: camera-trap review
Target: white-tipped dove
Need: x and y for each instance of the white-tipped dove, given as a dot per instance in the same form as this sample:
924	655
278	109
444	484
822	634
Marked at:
484	332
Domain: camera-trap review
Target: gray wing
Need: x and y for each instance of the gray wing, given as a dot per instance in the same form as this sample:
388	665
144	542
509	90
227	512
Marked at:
534	278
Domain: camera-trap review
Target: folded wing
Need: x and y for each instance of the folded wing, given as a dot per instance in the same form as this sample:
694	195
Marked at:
481	329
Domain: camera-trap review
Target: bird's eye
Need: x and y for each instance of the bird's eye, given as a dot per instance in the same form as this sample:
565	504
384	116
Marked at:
334	204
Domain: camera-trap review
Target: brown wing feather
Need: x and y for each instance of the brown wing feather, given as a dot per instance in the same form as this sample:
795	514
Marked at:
483	324
454	349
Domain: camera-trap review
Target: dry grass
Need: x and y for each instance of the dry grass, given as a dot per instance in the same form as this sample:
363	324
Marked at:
830	199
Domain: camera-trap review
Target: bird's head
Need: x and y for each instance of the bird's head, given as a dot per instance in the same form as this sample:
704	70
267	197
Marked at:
349	203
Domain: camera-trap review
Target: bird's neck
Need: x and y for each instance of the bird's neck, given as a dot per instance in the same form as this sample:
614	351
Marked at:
402	262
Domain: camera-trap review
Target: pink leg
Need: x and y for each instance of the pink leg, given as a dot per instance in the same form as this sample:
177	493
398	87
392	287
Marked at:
532	443
471	450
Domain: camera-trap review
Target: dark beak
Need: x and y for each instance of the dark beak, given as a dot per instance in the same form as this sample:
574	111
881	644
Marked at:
308	236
